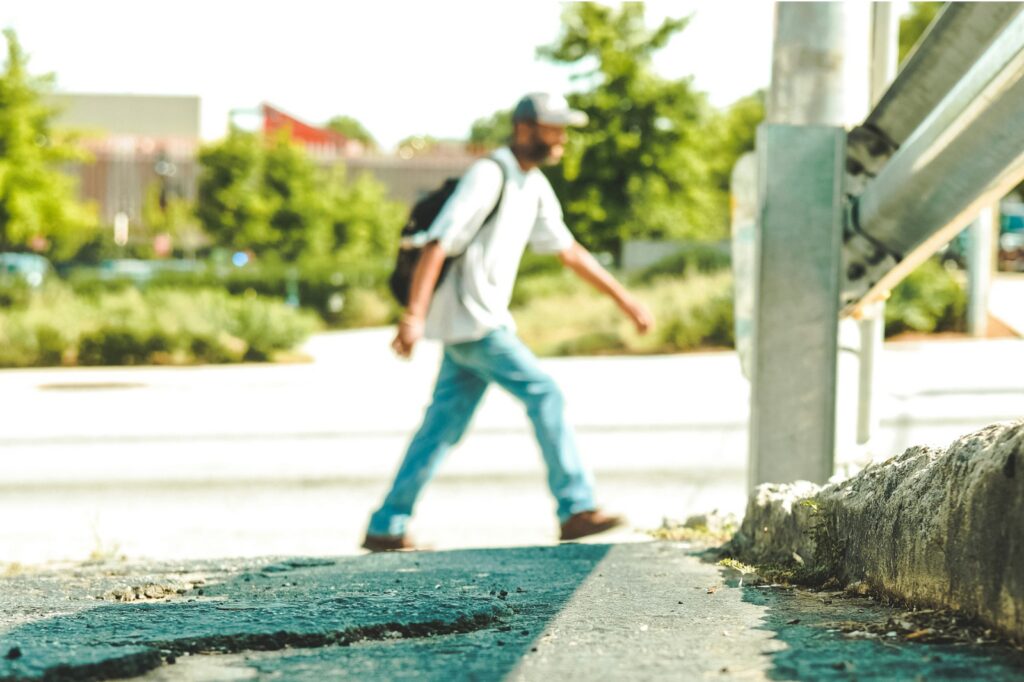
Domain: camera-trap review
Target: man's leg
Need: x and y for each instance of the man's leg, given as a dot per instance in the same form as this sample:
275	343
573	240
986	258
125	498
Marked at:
501	357
456	395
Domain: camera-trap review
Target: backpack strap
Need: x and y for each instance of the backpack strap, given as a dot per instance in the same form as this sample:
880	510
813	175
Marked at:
501	193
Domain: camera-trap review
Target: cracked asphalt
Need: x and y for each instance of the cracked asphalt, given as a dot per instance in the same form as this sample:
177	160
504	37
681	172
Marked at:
652	611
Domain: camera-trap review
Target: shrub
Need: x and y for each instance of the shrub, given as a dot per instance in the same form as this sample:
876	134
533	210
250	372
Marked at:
318	286
266	328
546	285
161	326
14	293
929	299
368	308
120	345
691	313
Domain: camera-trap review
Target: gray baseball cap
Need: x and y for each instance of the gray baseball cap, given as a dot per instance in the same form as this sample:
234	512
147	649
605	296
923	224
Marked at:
543	107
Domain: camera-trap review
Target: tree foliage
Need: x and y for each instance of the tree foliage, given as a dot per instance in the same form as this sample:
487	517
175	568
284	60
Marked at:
639	169
39	208
231	204
364	224
492	131
167	213
353	130
294	191
269	197
731	134
416	145
914	24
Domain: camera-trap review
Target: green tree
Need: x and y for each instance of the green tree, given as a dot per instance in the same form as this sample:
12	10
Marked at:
914	24
492	131
352	129
730	134
174	216
365	224
292	187
38	204
639	168
415	145
269	196
230	203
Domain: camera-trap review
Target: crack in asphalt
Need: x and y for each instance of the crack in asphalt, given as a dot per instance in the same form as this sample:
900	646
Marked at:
145	656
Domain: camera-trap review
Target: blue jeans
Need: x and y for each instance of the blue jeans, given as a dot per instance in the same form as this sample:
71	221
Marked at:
466	371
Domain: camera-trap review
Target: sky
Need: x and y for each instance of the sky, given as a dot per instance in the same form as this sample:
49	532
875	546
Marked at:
400	68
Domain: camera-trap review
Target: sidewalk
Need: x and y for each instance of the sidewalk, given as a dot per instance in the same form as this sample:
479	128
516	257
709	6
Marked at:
1006	300
572	612
256	460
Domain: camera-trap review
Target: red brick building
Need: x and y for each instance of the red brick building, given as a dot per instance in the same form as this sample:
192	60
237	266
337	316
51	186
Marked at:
321	142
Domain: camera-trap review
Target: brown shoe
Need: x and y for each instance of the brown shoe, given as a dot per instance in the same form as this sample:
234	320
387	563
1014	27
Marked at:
586	523
387	543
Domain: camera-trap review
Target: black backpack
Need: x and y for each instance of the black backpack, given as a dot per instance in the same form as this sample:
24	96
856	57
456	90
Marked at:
423	214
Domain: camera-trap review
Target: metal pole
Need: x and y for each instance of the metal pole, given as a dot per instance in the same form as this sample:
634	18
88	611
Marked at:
980	244
807	64
871	327
885	41
800	176
872	334
796	304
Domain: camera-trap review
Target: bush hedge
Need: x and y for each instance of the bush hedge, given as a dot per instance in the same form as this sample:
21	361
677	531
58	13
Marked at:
130	327
691	312
558	315
233	314
343	295
930	299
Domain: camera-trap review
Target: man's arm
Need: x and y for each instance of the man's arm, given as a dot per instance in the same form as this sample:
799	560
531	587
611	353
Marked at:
421	290
580	261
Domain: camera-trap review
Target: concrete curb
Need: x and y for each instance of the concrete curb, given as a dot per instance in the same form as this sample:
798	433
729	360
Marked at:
932	528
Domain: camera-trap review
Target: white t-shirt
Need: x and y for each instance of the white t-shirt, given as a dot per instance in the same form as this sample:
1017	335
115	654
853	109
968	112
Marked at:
473	299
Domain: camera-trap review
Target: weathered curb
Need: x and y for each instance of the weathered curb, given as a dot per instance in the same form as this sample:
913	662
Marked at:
935	528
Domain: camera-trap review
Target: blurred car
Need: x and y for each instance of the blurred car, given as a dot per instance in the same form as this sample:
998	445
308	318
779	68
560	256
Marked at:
1011	236
28	268
1011	251
1010	246
142	271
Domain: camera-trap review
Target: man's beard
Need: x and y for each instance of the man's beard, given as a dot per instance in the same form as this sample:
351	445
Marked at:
536	151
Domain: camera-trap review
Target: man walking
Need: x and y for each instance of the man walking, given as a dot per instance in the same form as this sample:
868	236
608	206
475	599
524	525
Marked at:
469	314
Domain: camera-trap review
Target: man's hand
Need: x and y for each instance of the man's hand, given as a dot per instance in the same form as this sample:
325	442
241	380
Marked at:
410	330
639	313
424	277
